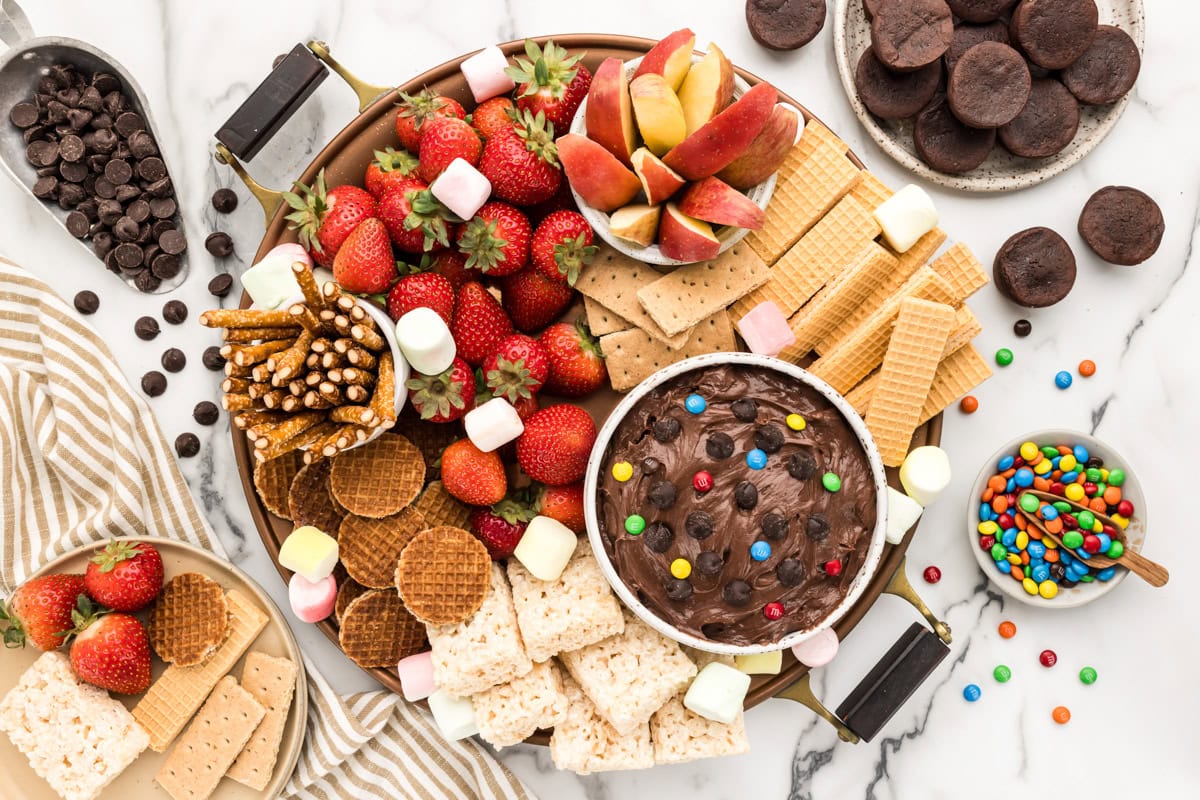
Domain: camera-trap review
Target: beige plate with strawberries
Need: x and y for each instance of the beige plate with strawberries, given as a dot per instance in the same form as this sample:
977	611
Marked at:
17	778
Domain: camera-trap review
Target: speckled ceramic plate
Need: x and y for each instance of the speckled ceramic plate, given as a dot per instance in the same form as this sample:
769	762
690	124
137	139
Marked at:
1002	172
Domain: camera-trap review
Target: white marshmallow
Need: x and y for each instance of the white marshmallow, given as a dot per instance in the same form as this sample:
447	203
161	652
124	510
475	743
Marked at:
312	602
485	73
903	513
925	473
425	341
455	716
906	216
818	650
462	188
416	676
309	552
717	693
270	282
546	547
760	664
493	424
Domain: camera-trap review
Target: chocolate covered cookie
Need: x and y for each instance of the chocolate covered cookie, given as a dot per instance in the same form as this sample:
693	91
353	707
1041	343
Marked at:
895	95
785	24
1122	225
1034	268
1046	125
989	85
1054	33
1107	70
967	36
980	10
908	34
946	144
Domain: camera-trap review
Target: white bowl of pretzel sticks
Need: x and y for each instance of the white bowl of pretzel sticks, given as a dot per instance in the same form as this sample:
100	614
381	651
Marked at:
322	373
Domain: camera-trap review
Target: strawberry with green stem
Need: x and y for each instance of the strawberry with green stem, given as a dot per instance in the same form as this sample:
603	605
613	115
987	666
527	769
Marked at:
324	218
492	116
562	246
556	444
521	161
40	610
111	650
415	110
444	397
415	220
496	240
473	476
517	368
124	575
389	168
551	82
501	526
576	361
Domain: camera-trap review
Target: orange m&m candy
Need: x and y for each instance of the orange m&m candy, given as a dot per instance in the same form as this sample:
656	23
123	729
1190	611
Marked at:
969	404
1061	715
1007	630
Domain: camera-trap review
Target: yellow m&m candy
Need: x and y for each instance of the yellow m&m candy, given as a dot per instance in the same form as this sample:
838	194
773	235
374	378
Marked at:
622	471
680	568
796	422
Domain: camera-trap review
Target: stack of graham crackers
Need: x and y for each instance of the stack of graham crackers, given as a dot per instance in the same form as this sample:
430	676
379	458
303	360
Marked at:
818	258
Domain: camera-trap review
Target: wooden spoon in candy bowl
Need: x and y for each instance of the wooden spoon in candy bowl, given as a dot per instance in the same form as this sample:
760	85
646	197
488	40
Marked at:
1152	572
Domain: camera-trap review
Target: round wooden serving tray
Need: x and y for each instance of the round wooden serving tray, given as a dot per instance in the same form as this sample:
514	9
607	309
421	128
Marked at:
345	159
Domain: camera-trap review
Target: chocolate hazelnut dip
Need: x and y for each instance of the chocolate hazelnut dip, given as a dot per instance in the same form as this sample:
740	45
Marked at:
696	552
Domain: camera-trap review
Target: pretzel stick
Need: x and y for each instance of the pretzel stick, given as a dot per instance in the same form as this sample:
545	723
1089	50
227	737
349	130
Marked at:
330	360
343	345
260	373
248	419
314	400
383	401
233	370
291	403
235	385
326	316
313	378
357	377
236	402
242	335
307	319
322	345
297	387
344	304
257	390
245	355
288	363
274	398
366	337
342	324
305	438
312	361
361	415
246	318
330	392
361	358
308	284
330	292
356	394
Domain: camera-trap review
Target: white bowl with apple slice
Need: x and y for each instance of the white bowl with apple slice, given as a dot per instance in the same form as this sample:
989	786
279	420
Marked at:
645	194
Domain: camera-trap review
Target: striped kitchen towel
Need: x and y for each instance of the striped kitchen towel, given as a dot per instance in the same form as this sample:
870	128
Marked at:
82	460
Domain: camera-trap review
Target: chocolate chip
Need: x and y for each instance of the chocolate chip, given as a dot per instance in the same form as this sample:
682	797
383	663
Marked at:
719	445
769	438
129	123
774	526
745	494
45	187
146	328
142	145
118	171
105	188
817	528
126	230
161	190
71	148
175	311
138	211
129	256
737	593
709	563
171	241
151	168
224	200
679	590
187	445
173	360
86	302
105	82
70	195
650	465
206	413
1022	328
744	409
220	244
212	358
154	383
790	572
661	494
77	224
699	525
666	429
73	171
801	466
147	281
42	153
23	115
658	537
164	266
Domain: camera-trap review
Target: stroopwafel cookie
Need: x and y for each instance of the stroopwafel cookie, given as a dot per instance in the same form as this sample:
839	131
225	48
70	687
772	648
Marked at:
439	507
370	548
348	591
443	575
273	480
377	631
310	500
430	438
189	620
380	478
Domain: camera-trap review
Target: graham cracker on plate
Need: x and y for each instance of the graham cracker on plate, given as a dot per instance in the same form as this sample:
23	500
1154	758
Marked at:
272	682
602	320
439	507
916	345
442	575
962	270
273	480
680	299
310	499
509	713
188	620
172	699
348	591
380	478
613	280
377	630
370	548
680	734
870	191
211	743
632	356
484	650
584	742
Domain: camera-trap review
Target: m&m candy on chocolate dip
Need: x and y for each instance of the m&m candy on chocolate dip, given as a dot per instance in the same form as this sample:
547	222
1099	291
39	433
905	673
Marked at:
1019	549
763	500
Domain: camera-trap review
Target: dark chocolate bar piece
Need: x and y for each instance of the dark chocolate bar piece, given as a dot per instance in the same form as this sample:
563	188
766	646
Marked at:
272	103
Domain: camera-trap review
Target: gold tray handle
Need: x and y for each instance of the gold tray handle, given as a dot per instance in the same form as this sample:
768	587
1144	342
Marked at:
367	93
900	587
802	693
269	199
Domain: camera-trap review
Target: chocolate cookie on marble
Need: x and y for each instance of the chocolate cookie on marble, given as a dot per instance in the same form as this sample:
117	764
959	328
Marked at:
1122	225
989	86
1107	71
1046	124
785	24
946	144
908	34
1054	33
895	95
1035	268
980	10
967	36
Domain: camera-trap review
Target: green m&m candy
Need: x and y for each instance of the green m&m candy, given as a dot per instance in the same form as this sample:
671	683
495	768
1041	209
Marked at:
1002	674
1115	550
1116	477
831	482
1071	539
1029	503
1087	676
1004	356
635	524
1087	520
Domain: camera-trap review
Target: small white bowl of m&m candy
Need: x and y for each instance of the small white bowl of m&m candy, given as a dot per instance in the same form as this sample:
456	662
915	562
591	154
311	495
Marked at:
1079	468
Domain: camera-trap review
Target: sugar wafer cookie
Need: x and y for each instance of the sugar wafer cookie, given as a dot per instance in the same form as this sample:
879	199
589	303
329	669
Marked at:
870	191
189	619
370	548
443	575
379	478
377	630
962	270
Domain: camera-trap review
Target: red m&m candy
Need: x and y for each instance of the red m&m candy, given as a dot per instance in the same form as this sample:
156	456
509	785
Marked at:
702	481
1125	508
833	568
932	574
1048	658
773	611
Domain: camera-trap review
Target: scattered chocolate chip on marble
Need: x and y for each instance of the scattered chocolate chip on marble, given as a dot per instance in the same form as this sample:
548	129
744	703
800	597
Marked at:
187	445
220	285
173	360
224	200
175	311
86	302
219	244
146	328
206	412
212	358
154	383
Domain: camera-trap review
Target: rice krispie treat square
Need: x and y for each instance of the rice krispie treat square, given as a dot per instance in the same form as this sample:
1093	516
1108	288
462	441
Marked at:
681	735
585	743
511	712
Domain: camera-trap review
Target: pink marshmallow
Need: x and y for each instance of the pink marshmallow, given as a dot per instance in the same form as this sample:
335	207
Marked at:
766	329
312	602
416	676
291	251
818	650
485	73
462	188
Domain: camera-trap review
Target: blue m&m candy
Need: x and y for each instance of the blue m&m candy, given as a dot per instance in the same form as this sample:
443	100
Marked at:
760	551
695	404
971	692
1063	380
756	459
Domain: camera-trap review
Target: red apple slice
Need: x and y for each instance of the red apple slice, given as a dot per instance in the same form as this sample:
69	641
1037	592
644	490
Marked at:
724	137
685	238
658	180
767	152
600	179
713	200
609	112
707	89
636	223
671	57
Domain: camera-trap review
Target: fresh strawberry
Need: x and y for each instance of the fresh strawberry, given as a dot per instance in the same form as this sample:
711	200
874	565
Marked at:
389	168
562	200
421	290
517	368
533	301
111	651
478	324
521	161
451	265
565	504
125	576
551	82
446	139
491	116
40	611
364	263
501	527
576	363
416	109
445	397
555	446
496	240
415	220
325	218
473	476
562	245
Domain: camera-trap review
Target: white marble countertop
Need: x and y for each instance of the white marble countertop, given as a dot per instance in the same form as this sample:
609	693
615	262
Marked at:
1133	732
